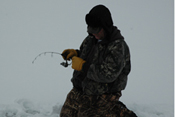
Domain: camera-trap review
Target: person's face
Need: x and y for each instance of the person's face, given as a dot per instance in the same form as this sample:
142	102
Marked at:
100	35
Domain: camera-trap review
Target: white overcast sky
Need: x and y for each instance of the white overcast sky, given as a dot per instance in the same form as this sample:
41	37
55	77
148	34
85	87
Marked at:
29	27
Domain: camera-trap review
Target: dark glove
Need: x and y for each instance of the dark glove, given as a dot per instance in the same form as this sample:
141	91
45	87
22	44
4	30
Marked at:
69	53
77	63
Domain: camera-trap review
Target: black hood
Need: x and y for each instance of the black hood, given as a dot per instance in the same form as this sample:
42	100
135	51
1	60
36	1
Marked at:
100	16
115	35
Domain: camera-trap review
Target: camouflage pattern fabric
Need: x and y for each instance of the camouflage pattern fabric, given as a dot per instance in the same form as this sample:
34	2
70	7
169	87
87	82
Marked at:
70	107
107	65
79	105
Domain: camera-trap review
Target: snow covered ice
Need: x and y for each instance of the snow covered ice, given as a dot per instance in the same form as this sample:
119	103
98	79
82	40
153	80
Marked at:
27	108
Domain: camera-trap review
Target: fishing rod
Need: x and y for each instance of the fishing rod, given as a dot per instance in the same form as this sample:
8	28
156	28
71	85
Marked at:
65	64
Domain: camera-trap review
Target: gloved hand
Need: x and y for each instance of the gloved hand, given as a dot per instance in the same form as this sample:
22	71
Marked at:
77	63
69	53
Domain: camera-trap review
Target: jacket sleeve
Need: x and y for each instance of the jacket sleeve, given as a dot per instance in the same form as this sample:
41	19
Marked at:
110	67
79	51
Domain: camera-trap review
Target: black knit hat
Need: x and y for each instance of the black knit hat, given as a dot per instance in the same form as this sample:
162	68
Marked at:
100	16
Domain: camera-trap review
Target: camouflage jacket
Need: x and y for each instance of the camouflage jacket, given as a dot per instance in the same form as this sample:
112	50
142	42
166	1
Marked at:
107	65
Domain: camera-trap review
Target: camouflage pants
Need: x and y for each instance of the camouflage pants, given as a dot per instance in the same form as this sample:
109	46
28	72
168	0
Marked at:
78	105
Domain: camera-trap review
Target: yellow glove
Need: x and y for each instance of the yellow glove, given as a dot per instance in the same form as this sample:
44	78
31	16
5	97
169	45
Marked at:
77	63
69	53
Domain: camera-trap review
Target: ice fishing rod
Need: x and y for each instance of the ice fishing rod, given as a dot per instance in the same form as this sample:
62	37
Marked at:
65	64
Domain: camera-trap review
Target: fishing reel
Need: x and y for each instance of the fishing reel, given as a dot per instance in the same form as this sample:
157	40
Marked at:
65	64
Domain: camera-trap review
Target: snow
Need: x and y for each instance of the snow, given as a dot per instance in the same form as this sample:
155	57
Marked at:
27	108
